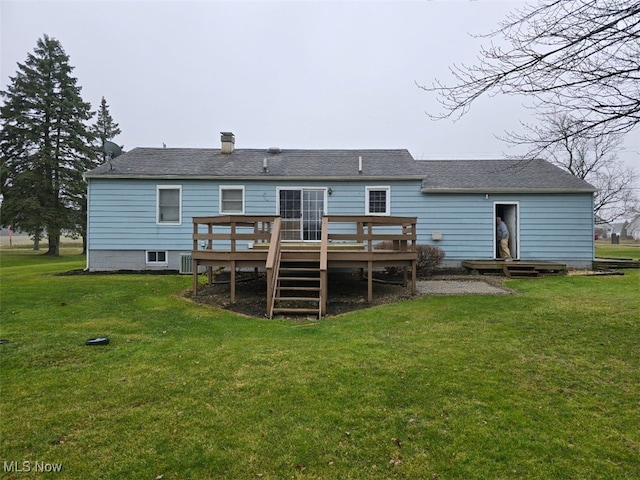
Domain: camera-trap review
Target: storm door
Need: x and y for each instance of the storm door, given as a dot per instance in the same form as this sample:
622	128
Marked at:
301	211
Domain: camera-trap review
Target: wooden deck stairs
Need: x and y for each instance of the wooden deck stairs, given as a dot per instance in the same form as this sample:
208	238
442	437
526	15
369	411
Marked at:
516	270
297	283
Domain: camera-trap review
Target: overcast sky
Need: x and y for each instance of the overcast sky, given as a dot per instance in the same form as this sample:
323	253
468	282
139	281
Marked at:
297	74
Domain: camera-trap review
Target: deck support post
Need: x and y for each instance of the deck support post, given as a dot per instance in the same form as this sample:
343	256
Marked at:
324	292
414	271
232	282
194	266
369	281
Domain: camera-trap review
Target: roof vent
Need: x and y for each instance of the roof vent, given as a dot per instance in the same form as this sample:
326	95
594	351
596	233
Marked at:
228	140
274	150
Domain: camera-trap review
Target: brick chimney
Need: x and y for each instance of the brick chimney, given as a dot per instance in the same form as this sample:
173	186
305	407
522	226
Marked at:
227	140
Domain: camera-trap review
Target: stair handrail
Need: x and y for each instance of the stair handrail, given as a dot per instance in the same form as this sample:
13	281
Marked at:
324	284
273	265
324	243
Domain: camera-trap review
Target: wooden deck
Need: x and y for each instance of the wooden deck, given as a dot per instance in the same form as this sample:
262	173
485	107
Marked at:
297	272
615	263
516	268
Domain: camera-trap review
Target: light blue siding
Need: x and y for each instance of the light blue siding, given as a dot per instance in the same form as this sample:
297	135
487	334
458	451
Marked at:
122	216
555	227
122	213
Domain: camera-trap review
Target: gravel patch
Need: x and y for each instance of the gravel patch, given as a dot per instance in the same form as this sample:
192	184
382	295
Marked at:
459	287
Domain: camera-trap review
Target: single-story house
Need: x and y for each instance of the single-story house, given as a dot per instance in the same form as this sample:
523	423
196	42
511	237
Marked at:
141	203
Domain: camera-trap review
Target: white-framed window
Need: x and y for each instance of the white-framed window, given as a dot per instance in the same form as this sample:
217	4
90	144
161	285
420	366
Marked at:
232	199
378	200
157	257
169	205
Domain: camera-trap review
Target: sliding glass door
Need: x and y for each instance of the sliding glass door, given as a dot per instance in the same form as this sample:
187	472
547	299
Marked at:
301	210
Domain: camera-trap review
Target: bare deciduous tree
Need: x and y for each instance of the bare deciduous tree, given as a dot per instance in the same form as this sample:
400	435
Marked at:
577	56
594	160
579	63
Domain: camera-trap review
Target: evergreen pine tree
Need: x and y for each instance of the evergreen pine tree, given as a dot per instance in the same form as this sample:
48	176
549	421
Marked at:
105	128
45	147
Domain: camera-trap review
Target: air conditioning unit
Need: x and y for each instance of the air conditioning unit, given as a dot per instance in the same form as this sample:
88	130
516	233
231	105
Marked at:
186	265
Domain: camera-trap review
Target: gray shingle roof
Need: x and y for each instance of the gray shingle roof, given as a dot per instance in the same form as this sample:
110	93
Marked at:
498	176
437	175
248	163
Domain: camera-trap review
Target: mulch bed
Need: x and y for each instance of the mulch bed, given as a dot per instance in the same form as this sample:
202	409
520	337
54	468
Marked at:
347	292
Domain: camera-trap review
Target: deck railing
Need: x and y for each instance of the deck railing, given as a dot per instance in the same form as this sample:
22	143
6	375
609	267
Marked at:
371	230
225	233
229	230
220	243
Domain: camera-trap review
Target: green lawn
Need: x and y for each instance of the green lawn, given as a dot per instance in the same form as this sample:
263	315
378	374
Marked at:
542	384
628	249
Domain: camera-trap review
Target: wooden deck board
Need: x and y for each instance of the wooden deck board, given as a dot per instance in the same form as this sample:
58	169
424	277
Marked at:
615	263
